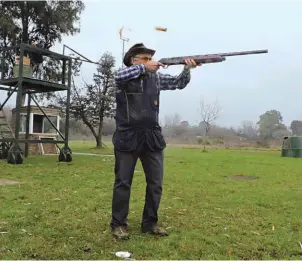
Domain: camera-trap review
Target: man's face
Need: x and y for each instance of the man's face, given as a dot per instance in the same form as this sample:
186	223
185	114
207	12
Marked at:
141	58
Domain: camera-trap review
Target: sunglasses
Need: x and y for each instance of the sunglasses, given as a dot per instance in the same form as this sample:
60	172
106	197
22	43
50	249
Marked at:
143	58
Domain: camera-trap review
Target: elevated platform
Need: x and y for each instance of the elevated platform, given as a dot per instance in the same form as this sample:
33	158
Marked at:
44	52
24	84
32	84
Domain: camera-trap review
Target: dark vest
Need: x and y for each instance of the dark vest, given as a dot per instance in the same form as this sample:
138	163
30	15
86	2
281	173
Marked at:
137	109
137	103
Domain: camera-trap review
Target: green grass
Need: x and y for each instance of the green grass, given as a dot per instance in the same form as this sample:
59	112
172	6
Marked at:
62	208
89	147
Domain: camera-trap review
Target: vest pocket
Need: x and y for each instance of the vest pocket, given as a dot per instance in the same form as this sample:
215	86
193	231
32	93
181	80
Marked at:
125	140
155	140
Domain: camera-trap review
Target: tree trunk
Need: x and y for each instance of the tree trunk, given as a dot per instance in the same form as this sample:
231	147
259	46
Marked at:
99	143
25	24
204	139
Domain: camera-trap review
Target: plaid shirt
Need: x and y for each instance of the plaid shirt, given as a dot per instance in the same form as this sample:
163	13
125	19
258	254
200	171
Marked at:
166	81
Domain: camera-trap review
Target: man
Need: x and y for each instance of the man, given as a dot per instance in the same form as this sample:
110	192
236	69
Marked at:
138	135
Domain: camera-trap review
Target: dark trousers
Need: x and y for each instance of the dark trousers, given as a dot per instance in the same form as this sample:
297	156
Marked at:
125	162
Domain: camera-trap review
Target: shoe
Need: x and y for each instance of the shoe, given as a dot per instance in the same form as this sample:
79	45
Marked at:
155	230
120	233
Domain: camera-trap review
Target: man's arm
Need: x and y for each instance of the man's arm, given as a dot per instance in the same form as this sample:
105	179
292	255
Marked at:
169	82
129	73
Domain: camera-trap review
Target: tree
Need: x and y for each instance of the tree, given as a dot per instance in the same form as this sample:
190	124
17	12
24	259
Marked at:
171	125
96	101
296	127
248	130
269	122
23	21
172	120
50	20
209	114
280	133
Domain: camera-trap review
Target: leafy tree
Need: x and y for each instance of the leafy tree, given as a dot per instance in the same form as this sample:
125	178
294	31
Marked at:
270	122
281	133
296	127
23	21
96	101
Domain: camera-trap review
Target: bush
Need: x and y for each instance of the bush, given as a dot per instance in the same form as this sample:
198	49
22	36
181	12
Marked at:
262	144
210	141
200	141
218	141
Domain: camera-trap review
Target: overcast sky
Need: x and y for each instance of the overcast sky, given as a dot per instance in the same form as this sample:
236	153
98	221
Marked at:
246	86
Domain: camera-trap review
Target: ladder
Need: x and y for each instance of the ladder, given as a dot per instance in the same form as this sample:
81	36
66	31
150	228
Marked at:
6	132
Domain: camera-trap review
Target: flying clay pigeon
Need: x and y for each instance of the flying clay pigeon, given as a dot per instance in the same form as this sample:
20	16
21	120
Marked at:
161	29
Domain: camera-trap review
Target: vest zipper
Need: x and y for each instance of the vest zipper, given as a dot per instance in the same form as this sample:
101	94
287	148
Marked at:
142	85
128	116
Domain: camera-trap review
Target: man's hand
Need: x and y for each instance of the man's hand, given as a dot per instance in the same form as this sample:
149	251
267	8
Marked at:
190	63
152	66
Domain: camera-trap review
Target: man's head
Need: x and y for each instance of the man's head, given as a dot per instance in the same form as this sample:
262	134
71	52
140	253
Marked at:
138	54
141	58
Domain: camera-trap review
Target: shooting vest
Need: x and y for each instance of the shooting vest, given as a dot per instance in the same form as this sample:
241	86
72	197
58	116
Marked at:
137	109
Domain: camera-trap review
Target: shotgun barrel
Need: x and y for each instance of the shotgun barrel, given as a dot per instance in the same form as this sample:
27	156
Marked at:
207	58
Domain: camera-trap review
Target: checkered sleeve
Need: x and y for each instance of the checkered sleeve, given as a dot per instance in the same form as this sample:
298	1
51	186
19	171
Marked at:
170	82
129	73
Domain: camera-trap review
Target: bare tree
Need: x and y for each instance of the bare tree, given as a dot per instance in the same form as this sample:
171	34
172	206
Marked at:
248	130
172	120
209	113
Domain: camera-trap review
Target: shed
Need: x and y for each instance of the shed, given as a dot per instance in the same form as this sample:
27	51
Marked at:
39	129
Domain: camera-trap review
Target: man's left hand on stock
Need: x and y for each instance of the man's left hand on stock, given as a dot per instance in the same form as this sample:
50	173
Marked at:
190	64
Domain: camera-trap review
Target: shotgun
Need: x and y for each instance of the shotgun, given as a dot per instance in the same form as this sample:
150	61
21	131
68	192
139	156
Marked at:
207	58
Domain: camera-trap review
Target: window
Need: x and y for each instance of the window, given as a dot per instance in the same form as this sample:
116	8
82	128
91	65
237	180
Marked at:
37	123
40	124
47	127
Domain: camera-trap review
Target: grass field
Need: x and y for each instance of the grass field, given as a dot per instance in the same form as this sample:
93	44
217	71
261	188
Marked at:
62	210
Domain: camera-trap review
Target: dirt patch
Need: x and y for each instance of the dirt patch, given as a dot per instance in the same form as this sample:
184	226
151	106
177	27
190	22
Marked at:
242	177
4	182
